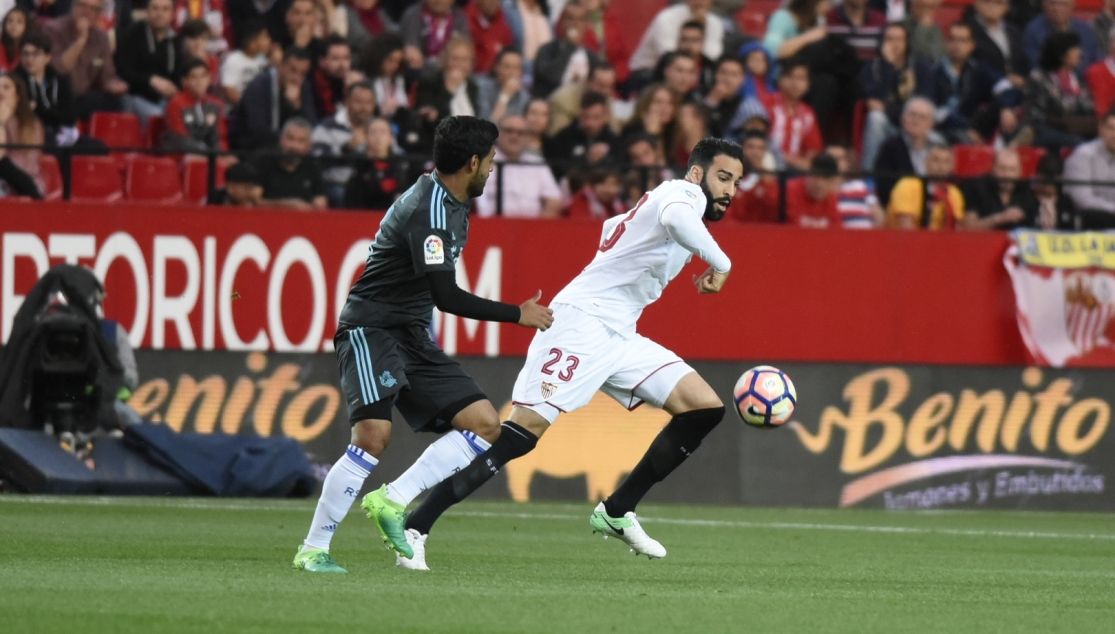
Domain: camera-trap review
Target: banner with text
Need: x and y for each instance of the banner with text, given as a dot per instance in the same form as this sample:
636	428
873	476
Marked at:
899	437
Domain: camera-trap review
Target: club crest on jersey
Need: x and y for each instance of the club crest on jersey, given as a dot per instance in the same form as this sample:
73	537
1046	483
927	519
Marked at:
548	389
435	253
690	194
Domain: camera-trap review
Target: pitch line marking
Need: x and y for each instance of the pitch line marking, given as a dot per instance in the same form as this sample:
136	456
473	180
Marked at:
299	507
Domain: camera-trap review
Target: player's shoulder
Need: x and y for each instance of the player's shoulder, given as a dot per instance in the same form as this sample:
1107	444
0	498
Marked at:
418	204
679	191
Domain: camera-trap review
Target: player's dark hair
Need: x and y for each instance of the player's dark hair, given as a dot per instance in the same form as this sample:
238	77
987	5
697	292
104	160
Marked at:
824	166
693	24
592	98
195	28
296	52
191	64
458	139
39	40
707	149
249	31
788	66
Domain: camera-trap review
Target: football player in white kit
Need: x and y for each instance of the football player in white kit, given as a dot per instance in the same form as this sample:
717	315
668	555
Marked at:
593	345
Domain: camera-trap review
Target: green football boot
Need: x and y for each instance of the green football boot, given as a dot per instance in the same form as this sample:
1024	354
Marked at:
628	529
316	560
390	518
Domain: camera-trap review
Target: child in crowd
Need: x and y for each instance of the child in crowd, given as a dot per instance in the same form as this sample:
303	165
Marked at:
794	128
194	118
242	65
858	206
758	71
196	42
599	198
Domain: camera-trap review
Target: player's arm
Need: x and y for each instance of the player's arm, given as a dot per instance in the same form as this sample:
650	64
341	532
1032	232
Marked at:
450	298
684	225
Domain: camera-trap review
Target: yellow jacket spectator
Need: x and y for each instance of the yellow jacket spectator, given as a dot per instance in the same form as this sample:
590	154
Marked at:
945	203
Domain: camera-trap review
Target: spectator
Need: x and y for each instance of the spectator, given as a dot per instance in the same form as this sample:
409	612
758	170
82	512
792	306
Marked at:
384	176
82	51
1057	17
895	10
1058	105
564	59
605	36
384	66
998	42
757	198
927	42
912	196
565	102
197	38
794	130
292	178
373	18
655	116
538	117
968	93
588	140
12	31
662	35
907	152
428	27
194	118
1103	25
342	137
690	44
680	76
447	91
1055	209
149	58
272	14
724	98
693	123
599	198
1001	200
19	168
811	199
333	73
343	20
1101	79
1089	165
300	28
525	182
791	29
246	62
501	92
489	30
888	81
759	69
645	157
270	100
857	204
243	188
859	25
529	25
50	93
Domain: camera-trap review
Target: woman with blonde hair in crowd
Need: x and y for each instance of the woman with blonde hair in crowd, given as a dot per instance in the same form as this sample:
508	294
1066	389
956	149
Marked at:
19	168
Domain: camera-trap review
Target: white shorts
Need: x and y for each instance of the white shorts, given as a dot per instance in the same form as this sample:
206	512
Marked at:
567	364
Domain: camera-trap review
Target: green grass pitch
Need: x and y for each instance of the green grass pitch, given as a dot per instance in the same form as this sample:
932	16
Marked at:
78	565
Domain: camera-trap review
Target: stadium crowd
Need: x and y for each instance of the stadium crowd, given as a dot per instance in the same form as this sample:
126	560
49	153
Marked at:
867	113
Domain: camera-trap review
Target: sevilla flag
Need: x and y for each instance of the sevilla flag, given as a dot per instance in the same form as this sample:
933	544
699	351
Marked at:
1064	284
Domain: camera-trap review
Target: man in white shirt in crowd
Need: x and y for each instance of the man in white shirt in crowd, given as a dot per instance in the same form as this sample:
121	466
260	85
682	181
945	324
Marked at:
529	191
662	36
1089	165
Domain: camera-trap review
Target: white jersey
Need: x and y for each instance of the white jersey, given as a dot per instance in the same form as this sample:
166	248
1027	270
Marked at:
641	252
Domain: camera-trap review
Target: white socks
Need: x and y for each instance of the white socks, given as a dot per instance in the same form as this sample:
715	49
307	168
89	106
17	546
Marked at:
340	490
448	455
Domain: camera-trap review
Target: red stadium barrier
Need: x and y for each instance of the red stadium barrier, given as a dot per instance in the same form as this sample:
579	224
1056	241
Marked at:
184	277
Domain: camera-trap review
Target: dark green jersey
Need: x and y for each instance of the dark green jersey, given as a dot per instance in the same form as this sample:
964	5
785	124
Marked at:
425	230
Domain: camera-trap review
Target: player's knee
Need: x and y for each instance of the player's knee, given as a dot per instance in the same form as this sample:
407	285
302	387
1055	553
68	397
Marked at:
481	419
372	436
691	394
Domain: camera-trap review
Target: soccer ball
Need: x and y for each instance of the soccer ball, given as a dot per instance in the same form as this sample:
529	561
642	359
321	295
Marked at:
765	397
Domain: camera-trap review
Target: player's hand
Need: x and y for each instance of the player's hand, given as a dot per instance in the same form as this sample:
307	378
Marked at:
710	281
535	315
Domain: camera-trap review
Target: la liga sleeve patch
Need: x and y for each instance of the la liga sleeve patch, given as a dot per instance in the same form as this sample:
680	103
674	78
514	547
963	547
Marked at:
434	250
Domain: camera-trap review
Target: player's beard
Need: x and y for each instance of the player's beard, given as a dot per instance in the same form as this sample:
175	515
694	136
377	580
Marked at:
712	214
476	185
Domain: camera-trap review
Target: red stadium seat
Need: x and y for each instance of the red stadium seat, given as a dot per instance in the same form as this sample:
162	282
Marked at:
116	129
1030	157
155	127
52	177
752	23
195	178
96	179
154	180
973	160
859	118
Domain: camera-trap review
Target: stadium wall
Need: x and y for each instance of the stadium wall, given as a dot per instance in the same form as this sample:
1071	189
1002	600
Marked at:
863	435
221	279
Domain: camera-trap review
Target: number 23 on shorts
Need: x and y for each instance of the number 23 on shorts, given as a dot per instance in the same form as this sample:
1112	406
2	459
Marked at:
556	358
